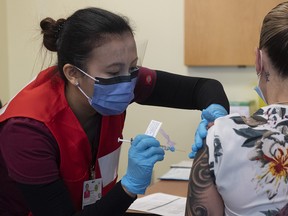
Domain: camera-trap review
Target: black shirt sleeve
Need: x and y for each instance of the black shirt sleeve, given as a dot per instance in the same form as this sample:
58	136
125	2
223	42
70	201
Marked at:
53	199
184	92
115	203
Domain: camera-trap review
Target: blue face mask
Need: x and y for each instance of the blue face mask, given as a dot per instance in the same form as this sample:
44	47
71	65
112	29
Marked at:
259	92
257	88
113	95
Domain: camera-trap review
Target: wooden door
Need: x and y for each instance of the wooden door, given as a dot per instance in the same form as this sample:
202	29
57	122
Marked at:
223	32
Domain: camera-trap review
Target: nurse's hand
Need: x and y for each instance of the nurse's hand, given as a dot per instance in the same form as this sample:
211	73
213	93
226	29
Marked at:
208	116
144	152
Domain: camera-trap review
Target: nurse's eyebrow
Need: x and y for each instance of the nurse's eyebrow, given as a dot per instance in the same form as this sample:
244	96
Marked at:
121	64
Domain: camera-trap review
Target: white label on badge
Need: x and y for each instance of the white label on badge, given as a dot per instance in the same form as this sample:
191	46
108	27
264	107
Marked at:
153	128
92	191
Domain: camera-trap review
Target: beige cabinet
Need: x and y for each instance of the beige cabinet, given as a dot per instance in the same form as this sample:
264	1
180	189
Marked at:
223	32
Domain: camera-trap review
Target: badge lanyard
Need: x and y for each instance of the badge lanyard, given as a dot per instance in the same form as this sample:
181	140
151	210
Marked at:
92	189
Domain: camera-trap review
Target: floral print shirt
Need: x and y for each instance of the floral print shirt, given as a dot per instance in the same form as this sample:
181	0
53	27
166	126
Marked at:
249	158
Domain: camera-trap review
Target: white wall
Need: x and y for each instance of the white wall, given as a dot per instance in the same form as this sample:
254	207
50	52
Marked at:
161	22
4	94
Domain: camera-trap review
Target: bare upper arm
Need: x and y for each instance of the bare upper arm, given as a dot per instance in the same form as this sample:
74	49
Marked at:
203	197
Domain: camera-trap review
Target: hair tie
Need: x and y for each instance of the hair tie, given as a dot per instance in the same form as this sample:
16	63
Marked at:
60	27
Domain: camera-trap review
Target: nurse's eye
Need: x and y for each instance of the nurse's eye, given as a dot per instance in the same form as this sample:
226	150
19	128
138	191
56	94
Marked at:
113	73
133	69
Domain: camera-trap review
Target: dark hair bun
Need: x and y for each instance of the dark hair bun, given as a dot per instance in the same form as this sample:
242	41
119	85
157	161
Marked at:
51	30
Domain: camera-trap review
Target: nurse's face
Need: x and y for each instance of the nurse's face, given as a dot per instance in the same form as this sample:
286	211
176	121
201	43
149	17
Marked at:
117	56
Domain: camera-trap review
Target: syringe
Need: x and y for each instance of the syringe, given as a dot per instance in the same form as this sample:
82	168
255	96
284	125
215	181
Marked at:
166	148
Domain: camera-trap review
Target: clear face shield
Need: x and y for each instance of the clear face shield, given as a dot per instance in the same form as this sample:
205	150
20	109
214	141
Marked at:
141	45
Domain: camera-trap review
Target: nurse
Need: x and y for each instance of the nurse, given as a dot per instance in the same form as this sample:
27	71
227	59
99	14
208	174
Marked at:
60	133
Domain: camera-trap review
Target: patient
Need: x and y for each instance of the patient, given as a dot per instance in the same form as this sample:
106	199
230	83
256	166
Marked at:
243	168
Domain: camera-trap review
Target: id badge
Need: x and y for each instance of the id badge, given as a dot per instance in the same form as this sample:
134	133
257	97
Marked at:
92	191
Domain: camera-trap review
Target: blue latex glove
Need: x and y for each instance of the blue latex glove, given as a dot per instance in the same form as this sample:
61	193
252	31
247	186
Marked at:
144	152
208	115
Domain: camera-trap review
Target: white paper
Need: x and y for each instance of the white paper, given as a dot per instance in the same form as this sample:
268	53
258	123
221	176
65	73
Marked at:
161	204
177	174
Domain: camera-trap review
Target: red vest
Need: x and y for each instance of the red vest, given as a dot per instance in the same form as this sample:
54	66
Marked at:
44	100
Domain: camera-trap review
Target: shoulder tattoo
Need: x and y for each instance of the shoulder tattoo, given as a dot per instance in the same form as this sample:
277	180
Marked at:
200	180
